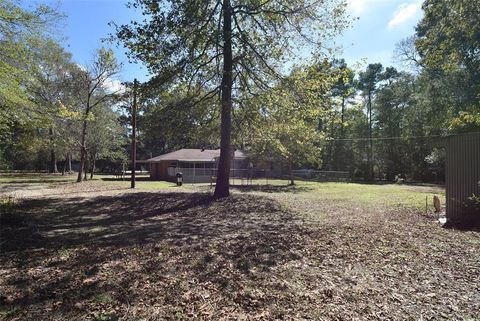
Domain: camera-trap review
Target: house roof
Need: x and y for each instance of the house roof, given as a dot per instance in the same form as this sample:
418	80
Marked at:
193	155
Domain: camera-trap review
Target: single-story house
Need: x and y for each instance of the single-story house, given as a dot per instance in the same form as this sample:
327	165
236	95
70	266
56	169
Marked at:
196	165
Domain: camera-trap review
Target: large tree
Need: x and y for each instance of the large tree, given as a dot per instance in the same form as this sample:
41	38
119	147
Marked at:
23	33
106	139
48	88
448	43
227	46
285	129
448	36
368	82
393	101
343	92
92	84
170	121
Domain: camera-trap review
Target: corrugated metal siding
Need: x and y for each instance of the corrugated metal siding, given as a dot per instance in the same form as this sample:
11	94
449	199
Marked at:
462	176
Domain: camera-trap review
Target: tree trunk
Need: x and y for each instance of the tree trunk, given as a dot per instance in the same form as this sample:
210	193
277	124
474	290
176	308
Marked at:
370	136
85	169
92	168
53	156
53	162
222	186
69	163
292	182
331	150
82	151
134	133
340	161
64	169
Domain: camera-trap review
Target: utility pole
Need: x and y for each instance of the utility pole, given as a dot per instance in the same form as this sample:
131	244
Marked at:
134	132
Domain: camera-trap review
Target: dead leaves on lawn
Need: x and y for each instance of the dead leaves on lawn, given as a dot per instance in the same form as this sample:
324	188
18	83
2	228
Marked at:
185	256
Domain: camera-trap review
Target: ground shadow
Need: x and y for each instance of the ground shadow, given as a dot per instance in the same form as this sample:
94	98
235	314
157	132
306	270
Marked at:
36	181
127	179
272	188
190	235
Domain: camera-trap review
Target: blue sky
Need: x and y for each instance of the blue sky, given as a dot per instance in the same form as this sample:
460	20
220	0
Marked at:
381	24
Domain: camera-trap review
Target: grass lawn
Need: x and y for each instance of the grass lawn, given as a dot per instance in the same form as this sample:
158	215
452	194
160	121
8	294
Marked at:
47	185
320	251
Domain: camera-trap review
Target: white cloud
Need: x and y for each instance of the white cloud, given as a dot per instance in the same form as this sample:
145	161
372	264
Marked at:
357	6
114	86
404	12
81	67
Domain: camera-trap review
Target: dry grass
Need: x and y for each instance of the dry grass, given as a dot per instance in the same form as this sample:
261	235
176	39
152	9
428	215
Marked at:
293	253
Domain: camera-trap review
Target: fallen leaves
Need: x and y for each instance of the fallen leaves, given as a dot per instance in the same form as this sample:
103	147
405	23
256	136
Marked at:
258	256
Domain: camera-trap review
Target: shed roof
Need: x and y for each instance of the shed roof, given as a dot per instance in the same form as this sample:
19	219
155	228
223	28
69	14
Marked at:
193	155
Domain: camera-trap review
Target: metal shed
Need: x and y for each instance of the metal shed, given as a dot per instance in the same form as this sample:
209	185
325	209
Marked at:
462	178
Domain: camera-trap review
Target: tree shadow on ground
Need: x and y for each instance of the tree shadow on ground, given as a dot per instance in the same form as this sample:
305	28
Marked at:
70	249
272	188
36	181
127	179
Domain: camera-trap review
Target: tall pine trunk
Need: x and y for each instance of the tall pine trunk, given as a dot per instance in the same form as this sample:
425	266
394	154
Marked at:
83	151
53	156
290	169
85	169
370	140
340	159
222	186
92	168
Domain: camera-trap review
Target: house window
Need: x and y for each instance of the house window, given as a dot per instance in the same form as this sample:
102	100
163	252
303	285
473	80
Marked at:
208	165
186	165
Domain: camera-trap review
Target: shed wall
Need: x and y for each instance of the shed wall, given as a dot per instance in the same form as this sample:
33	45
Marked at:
462	177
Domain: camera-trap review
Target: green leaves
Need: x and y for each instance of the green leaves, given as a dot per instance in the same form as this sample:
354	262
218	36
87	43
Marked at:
465	122
23	34
182	40
448	37
176	119
67	113
286	127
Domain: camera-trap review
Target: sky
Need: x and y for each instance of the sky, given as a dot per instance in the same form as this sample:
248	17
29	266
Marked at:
372	38
380	26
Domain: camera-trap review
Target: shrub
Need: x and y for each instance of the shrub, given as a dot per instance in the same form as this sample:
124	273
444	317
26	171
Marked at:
475	201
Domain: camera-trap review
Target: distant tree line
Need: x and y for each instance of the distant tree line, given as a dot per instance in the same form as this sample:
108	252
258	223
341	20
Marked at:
375	122
225	73
52	110
405	114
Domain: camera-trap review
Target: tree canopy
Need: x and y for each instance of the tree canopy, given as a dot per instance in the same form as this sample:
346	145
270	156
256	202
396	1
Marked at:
227	47
241	74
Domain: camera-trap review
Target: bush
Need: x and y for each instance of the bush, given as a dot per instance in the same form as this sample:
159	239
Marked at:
399	179
475	201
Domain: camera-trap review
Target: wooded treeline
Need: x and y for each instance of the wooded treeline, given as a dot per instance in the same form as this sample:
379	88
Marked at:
229	68
52	110
377	122
407	113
